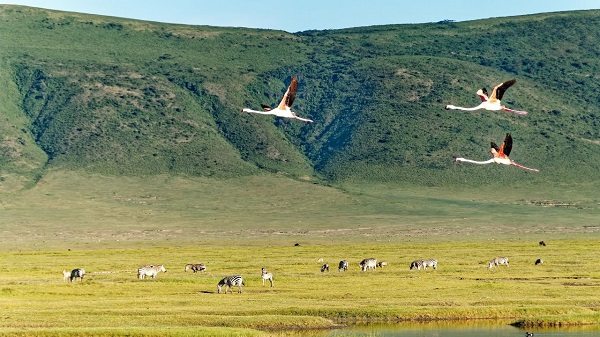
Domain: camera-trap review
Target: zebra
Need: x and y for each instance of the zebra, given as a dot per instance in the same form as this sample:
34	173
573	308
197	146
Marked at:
266	276
77	273
539	261
497	261
66	275
381	264
230	281
430	263
343	266
423	264
195	267
416	264
325	267
151	271
367	264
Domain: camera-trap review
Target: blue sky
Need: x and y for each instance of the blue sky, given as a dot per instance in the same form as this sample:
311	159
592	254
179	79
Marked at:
293	16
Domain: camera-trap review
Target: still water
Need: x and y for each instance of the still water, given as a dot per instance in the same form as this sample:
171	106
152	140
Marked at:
452	330
503	331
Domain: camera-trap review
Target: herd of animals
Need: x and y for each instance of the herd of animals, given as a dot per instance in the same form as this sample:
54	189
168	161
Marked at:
229	282
490	102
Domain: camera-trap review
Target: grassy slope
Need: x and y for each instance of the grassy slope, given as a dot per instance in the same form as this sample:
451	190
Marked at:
81	208
133	97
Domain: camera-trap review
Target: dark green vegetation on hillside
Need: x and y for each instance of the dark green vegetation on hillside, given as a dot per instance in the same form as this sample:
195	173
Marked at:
127	97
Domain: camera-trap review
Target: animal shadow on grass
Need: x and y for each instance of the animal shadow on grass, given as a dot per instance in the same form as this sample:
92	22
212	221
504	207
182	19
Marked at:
206	292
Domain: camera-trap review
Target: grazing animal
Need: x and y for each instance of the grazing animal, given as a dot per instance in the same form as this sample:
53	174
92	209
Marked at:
430	263
66	275
195	267
491	103
381	264
283	109
416	264
366	264
539	261
497	261
343	265
230	281
529	334
325	267
266	276
500	155
542	243
151	271
423	264
77	273
296	244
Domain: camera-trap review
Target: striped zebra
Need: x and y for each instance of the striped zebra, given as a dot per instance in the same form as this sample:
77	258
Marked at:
230	281
367	264
195	267
497	261
76	273
430	263
416	264
151	271
343	265
266	276
423	264
325	267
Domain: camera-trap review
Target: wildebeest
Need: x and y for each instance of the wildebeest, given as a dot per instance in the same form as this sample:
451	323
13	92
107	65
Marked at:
195	267
366	264
77	273
539	261
343	265
151	271
542	243
325	267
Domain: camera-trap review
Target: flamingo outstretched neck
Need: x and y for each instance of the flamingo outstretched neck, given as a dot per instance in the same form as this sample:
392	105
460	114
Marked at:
284	107
491	102
500	156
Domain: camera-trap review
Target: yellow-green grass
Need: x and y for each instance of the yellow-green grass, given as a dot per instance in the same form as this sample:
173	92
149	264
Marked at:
68	209
112	225
110	300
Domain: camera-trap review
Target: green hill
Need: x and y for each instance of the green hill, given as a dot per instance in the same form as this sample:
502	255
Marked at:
125	97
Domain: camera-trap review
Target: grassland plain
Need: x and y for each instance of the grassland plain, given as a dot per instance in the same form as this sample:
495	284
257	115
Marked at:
111	225
111	301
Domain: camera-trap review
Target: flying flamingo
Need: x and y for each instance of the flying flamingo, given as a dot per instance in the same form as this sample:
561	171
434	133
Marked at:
492	102
500	155
283	109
